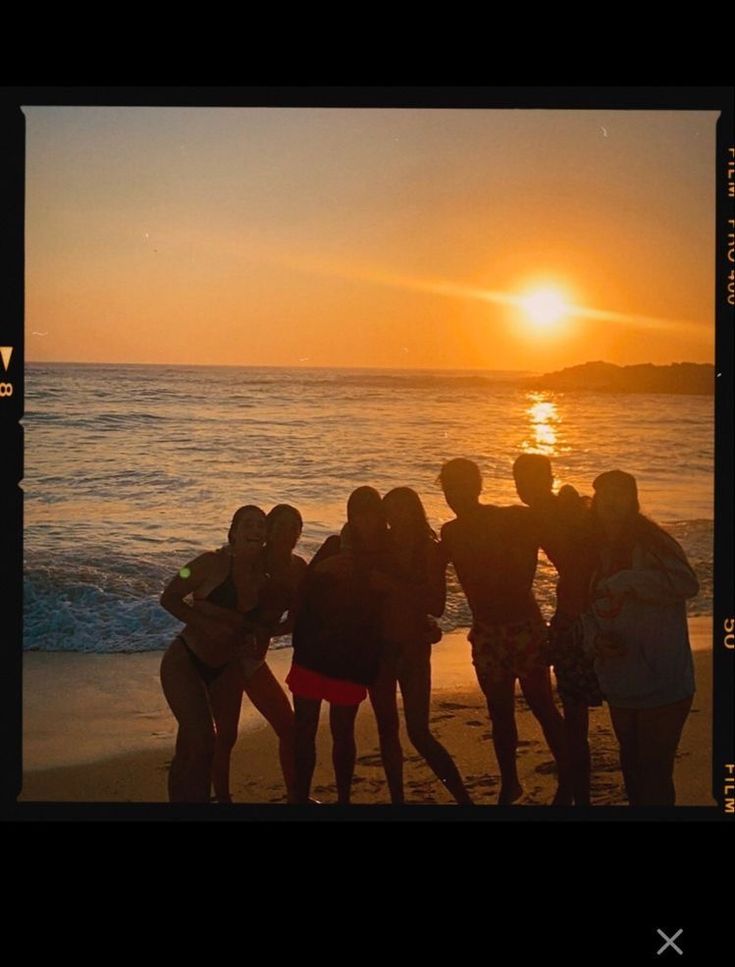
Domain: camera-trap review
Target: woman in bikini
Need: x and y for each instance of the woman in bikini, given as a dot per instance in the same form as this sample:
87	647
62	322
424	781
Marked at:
200	671
284	573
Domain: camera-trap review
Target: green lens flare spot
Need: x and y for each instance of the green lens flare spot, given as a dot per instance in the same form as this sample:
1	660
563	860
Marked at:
184	573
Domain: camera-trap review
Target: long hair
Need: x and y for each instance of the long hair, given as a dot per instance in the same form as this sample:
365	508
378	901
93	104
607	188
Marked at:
362	500
280	510
654	537
420	530
638	529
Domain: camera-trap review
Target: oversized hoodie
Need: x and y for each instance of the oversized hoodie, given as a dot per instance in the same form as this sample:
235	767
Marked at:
642	610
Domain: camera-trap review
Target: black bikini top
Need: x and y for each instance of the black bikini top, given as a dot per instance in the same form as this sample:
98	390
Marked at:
225	594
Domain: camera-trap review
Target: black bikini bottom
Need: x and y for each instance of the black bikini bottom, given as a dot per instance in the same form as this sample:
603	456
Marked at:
207	673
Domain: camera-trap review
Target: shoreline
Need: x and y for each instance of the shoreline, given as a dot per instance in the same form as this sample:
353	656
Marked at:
96	728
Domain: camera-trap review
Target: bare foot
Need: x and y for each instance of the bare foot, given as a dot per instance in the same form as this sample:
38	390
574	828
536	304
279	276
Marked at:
510	794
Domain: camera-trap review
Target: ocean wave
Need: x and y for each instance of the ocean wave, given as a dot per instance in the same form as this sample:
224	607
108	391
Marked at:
100	606
82	617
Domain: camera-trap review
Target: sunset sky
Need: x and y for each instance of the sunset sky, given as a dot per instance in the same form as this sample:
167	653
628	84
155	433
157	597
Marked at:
460	239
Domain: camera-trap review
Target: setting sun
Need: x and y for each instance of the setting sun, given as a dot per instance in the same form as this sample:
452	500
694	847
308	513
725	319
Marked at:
545	307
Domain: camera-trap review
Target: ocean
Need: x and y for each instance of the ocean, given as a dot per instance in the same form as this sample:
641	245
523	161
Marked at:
131	471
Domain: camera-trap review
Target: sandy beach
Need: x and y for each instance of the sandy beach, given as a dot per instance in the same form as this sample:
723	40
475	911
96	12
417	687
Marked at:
97	729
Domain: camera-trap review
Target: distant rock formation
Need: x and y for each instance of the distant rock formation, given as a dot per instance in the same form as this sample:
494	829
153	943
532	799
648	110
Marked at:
599	377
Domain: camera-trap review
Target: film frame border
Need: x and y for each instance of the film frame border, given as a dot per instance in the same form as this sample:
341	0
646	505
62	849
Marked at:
12	198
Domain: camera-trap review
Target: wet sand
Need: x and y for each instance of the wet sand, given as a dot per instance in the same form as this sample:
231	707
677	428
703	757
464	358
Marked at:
97	729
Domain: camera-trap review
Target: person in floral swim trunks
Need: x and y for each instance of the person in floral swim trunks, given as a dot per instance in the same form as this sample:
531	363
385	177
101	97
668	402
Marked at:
494	551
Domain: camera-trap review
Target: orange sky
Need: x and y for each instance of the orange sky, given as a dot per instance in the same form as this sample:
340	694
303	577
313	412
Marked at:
381	238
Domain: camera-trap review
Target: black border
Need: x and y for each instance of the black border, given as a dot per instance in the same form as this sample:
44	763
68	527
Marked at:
12	205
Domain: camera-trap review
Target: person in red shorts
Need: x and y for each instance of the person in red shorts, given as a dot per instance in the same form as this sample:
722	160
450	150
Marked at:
494	551
337	638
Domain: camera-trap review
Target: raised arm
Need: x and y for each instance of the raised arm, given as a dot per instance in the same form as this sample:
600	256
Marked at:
203	618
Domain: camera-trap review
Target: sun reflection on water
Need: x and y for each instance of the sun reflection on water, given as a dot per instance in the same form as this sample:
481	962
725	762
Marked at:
543	418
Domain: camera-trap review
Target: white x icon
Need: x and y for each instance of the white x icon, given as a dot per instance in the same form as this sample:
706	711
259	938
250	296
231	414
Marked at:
670	941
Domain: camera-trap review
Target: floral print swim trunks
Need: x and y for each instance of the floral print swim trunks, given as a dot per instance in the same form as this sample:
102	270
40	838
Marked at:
576	680
514	650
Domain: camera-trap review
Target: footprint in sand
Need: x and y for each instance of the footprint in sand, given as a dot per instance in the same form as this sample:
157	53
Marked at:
475	723
370	760
455	706
546	768
486	782
605	763
608	787
440	718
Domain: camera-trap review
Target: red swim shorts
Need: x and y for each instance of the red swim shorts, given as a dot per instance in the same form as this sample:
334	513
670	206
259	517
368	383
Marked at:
308	684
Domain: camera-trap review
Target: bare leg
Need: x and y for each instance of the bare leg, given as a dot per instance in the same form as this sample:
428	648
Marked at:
271	701
225	695
306	723
658	739
536	688
415	682
576	724
344	753
500	698
625	724
189	778
383	700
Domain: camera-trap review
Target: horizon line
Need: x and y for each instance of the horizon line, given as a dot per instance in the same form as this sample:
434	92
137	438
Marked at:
414	369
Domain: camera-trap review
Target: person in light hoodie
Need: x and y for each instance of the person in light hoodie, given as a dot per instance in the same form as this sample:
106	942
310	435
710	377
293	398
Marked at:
636	630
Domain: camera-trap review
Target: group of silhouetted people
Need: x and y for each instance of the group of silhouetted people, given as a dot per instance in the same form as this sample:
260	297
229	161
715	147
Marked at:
362	616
